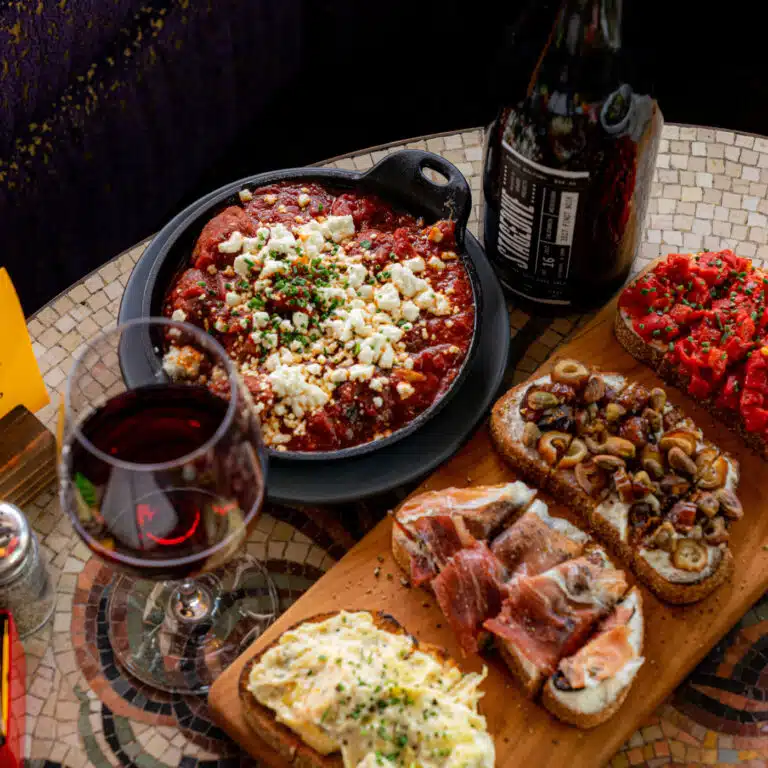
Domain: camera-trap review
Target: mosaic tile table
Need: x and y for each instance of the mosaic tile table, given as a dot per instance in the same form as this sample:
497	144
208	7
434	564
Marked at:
709	193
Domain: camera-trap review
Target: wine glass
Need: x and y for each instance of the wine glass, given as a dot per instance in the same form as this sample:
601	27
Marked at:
163	473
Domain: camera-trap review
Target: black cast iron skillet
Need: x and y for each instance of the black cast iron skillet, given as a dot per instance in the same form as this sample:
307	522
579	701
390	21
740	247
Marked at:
398	178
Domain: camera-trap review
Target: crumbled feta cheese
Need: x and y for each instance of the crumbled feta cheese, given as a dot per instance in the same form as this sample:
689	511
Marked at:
339	375
289	384
387	359
408	363
280	239
378	401
245	195
410	311
356	274
436	263
272	267
365	291
425	300
260	319
339	228
243	265
232	298
232	244
406	282
442	305
272	361
391	332
360	372
182	362
286	326
415	264
304	200
404	389
378	383
387	298
270	199
221	326
301	321
179	315
269	340
315	369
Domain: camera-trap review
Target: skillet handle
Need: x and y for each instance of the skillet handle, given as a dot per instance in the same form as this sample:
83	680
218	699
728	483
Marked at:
401	175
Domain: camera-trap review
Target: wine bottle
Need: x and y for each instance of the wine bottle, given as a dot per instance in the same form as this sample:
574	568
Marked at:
569	161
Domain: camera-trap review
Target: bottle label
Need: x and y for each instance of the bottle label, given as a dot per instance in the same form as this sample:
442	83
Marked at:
538	225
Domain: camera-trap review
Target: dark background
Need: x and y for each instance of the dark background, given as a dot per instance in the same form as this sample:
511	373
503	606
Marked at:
370	73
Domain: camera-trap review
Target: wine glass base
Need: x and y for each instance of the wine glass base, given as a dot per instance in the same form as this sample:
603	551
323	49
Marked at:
186	656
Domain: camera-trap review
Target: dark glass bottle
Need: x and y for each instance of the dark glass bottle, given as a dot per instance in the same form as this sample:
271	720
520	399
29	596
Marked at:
569	160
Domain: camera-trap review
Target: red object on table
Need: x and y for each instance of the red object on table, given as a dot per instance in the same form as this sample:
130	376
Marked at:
12	694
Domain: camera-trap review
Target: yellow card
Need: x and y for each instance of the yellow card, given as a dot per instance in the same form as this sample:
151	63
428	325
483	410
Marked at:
20	379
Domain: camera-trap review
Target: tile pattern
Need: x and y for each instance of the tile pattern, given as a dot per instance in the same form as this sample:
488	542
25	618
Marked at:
709	191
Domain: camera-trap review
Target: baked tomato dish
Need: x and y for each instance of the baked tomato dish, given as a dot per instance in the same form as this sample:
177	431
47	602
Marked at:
346	317
701	320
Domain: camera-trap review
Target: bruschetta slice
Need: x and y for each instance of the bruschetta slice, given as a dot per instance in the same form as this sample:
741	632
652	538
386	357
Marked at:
590	686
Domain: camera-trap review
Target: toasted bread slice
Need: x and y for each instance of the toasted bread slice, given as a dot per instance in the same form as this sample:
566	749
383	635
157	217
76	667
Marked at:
650	353
594	704
281	738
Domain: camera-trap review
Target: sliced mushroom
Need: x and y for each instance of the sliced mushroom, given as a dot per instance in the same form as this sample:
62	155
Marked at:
715	531
729	503
623	483
652	461
590	477
559	419
635	429
539	399
690	556
714	475
618	446
679	460
576	453
705	457
552	445
614	411
609	462
658	399
642	479
674	485
706	503
664	537
594	446
671	416
570	372
679	438
696	532
531	434
654	419
594	391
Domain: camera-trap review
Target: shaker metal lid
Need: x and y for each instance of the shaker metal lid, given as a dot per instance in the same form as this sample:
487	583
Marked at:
14	538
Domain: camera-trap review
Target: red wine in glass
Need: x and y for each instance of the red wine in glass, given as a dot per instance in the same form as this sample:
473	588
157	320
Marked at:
141	512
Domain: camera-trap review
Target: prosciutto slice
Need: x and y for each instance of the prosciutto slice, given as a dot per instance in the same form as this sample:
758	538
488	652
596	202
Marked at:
549	616
530	546
483	509
469	590
436	539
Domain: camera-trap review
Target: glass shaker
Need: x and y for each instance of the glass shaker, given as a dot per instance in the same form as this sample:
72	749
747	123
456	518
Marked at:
25	586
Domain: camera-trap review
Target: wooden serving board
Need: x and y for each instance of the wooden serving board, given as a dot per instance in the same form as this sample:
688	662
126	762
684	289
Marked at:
676	637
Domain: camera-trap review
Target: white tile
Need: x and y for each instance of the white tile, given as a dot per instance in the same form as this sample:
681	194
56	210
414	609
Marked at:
745	141
692	241
672	237
666	206
750	203
692	194
721	228
731	201
705	211
732	153
698	149
678	161
683	223
702	227
721	213
725	137
757	234
716	151
750	173
671	132
704	179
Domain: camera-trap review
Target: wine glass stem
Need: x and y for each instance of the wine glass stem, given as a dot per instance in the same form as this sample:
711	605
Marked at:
191	601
